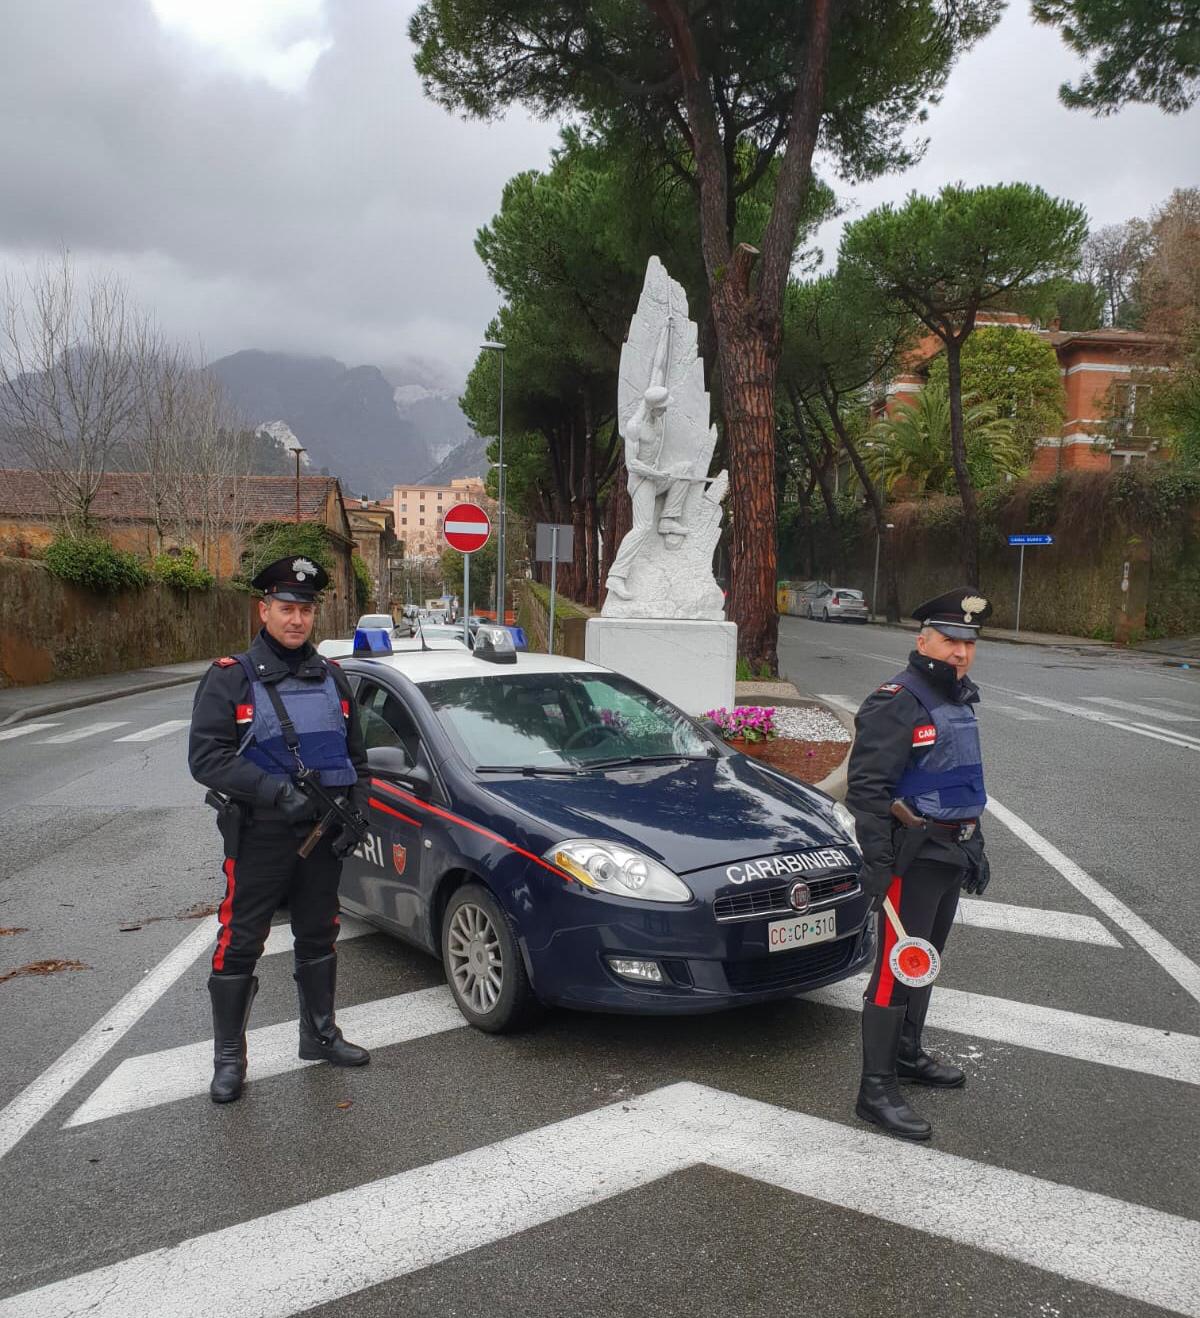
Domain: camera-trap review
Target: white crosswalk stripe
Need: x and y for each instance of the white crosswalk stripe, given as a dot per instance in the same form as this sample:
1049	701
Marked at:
163	1077
1099	716
158	730
280	938
1022	715
316	1252
24	729
1030	920
78	734
1167	715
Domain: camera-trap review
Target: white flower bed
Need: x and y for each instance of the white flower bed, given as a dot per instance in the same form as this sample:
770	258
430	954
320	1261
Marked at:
807	723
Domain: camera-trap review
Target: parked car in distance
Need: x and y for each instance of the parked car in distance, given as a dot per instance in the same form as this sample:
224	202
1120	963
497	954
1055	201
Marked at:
375	620
805	592
838	604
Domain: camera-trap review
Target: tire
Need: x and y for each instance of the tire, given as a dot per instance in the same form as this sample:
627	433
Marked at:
474	927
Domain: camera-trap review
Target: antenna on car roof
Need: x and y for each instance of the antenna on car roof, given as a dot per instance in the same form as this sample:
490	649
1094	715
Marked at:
421	635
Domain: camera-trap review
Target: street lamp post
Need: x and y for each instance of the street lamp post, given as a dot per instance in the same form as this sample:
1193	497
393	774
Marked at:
499	348
887	526
297	451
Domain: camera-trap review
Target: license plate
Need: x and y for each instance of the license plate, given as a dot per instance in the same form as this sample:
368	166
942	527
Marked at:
801	931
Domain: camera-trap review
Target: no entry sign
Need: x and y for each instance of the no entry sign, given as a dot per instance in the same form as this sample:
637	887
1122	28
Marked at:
466	527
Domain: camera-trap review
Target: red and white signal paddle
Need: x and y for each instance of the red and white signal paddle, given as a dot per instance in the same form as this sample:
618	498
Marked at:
915	962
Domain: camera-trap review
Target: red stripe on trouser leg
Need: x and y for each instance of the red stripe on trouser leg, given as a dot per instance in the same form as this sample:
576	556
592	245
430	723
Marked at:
225	916
883	990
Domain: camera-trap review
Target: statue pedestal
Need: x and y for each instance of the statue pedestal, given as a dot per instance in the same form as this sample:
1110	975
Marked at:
692	663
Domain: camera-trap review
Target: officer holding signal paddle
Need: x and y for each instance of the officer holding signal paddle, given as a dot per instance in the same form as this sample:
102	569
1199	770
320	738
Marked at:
916	792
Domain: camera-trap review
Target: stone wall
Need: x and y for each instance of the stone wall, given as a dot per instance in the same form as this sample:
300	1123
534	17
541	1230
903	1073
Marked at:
50	630
570	620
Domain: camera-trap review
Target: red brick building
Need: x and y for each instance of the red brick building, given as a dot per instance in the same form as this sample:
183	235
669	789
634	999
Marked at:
1107	375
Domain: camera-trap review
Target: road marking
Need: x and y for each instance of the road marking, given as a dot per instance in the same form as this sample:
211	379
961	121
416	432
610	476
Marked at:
1185	737
1031	920
24	729
1166	700
1045	1029
1026	715
1110	720
158	730
314	1253
163	1077
1167	715
41	1094
78	734
1184	971
280	938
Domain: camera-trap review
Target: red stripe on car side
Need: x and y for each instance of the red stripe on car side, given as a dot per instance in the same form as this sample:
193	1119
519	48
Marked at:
475	828
387	809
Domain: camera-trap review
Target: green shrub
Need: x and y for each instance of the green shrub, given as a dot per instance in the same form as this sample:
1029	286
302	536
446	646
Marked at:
270	541
94	564
364	587
181	570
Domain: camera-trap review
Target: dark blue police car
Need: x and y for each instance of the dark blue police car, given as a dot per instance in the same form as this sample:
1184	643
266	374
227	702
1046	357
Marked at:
556	833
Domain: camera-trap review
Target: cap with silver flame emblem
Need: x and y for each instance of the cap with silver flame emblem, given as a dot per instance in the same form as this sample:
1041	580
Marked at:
799	897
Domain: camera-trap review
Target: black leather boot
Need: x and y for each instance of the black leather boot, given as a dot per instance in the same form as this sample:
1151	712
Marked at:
913	1062
879	1098
320	1038
232	996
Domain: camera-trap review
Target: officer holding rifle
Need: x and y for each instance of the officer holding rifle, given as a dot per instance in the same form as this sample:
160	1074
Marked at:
275	738
916	792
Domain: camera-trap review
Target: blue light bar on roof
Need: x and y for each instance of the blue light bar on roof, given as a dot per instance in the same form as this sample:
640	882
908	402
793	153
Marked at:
372	640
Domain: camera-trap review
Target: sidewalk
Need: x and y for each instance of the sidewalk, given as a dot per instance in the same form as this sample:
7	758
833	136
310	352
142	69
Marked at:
1184	649
25	702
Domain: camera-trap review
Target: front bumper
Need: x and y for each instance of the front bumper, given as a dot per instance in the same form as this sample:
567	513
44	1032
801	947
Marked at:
708	965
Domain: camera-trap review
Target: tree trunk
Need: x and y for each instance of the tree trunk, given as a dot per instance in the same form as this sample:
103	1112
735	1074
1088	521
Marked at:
749	360
969	545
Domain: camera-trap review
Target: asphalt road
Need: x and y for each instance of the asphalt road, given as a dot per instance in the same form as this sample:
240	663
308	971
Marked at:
607	1165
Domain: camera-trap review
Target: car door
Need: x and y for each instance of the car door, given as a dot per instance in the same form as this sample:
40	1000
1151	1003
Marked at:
385	877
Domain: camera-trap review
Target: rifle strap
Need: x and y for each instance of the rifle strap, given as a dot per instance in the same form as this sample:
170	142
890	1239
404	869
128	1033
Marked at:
290	739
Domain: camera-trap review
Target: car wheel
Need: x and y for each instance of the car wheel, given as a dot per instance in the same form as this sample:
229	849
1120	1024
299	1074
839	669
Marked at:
824	615
483	963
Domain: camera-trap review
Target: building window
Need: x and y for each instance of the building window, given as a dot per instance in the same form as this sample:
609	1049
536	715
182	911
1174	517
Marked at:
1133	410
422	521
404	521
404	507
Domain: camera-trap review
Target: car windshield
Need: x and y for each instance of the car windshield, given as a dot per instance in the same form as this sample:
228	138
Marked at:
375	620
549	721
852	594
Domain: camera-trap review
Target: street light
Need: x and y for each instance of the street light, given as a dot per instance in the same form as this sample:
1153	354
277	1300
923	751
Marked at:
297	451
887	526
499	348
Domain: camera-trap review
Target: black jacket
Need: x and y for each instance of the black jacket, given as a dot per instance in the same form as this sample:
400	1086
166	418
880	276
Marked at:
883	743
215	735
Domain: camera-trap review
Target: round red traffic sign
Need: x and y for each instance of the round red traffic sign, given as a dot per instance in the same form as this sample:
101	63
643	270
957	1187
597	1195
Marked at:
466	527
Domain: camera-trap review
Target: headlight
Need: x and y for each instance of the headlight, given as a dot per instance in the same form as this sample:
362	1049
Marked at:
845	821
609	867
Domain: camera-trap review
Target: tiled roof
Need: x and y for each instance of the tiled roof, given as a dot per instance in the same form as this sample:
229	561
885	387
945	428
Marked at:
121	496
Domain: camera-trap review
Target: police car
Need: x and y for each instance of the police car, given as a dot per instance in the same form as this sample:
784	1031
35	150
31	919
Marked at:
558	834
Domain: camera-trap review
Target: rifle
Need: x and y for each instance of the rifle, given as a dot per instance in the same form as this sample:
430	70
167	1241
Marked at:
338	809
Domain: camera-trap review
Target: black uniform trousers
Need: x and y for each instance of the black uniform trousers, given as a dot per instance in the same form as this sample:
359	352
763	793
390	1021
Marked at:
925	899
266	870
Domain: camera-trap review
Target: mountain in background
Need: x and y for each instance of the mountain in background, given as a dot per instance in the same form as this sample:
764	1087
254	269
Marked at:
352	421
468	459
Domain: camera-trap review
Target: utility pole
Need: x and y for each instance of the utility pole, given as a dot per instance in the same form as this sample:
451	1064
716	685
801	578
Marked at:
297	451
499	348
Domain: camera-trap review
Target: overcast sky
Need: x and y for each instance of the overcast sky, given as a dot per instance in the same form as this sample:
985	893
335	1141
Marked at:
267	174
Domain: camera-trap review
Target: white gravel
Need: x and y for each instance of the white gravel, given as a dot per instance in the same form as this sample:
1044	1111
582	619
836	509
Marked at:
807	723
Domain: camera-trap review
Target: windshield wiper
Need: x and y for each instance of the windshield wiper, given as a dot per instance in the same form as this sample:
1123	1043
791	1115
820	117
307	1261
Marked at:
528	770
624	760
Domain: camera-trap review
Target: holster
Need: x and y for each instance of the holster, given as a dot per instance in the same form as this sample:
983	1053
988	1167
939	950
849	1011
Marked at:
906	847
230	817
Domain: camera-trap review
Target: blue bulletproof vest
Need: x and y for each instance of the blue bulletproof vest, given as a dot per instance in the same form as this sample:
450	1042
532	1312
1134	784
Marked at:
944	780
315	709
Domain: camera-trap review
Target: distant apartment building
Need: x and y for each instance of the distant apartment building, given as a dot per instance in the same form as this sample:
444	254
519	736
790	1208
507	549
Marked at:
1107	376
418	511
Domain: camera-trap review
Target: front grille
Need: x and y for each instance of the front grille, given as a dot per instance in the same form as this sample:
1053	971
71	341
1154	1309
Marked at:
767	901
790	969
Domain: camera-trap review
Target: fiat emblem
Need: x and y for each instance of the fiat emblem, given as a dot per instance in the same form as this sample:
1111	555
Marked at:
799	897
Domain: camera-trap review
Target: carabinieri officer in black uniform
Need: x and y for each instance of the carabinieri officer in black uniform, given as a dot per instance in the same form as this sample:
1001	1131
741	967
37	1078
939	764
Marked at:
917	743
257	718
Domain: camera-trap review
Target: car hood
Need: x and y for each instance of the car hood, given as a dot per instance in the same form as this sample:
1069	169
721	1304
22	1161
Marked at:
691	815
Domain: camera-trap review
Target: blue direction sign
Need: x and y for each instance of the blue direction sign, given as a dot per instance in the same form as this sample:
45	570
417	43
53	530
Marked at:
1030	539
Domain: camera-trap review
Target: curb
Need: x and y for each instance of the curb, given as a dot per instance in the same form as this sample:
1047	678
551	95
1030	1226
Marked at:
96	698
836	783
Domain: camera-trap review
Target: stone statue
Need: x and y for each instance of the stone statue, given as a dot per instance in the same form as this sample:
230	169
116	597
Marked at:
663	568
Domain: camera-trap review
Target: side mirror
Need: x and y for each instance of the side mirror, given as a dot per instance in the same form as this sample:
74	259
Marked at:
394	762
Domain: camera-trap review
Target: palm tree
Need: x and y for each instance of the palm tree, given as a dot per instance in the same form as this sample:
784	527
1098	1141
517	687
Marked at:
914	444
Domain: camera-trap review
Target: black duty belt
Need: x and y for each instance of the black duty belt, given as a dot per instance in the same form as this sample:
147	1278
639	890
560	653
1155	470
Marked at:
963	829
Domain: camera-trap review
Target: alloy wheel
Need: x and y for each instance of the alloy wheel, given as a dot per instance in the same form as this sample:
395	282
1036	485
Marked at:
476	959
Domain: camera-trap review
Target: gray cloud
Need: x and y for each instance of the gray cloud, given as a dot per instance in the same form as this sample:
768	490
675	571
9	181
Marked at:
340	218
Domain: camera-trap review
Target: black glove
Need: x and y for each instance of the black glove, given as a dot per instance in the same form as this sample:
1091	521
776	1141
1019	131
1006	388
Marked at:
978	875
876	881
294	805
